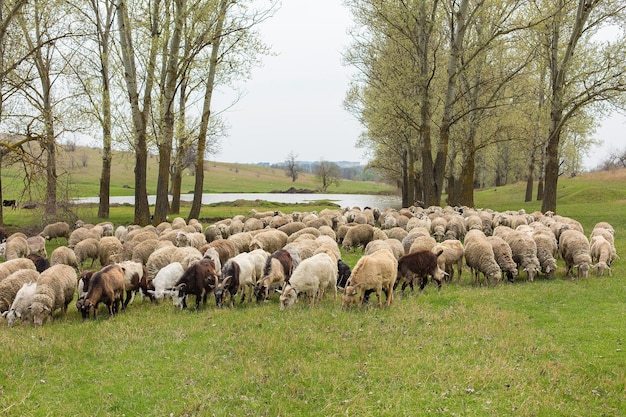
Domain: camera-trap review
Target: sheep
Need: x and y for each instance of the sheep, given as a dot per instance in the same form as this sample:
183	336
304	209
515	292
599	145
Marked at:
397	233
135	279
9	267
547	250
212	233
65	256
198	279
524	250
419	264
12	284
55	289
253	224
87	249
226	249
241	241
422	243
312	277
186	255
292	227
164	280
391	244
108	248
480	258
270	240
212	254
194	239
304	231
178	223
159	259
142	251
438	228
20	307
601	254
358	236
55	231
37	245
455	228
452	255
326	244
105	286
41	263
16	247
504	257
575	251
80	234
378	272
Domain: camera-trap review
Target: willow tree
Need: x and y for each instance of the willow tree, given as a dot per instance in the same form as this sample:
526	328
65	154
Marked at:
584	71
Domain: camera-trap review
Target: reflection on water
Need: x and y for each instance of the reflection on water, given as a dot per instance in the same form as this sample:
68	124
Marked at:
343	200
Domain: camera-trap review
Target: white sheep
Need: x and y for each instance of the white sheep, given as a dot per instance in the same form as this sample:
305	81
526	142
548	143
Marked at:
20	308
504	256
524	250
87	249
575	251
65	256
311	277
37	244
165	279
193	239
452	255
55	289
378	272
108	248
270	240
547	250
159	259
9	267
601	254
12	284
15	247
55	231
480	258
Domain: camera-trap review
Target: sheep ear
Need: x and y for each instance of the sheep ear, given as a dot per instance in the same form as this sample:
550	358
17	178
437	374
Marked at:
46	308
5	314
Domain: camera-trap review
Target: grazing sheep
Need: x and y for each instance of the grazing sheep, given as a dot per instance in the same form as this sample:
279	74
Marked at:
453	252
164	280
547	250
575	251
186	255
63	256
15	247
422	243
601	254
108	248
358	236
87	249
194	239
55	231
20	308
160	258
524	250
480	258
455	228
377	272
504	257
226	249
41	263
438	228
270	240
143	250
55	289
212	233
311	277
292	227
9	267
105	286
12	284
241	241
37	245
80	234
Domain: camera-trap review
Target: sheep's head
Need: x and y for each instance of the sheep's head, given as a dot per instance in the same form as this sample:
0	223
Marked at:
349	296
39	312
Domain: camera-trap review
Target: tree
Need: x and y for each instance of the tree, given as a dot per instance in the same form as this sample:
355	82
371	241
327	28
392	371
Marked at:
293	169
583	73
327	174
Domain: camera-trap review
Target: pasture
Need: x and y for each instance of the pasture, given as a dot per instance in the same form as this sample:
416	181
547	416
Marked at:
544	348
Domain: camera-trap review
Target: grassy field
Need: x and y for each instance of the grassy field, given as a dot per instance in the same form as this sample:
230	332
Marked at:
546	348
79	176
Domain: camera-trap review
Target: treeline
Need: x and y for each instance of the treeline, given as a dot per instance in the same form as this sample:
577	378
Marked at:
464	93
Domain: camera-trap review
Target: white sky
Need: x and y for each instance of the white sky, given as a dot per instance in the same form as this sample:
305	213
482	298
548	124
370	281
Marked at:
294	102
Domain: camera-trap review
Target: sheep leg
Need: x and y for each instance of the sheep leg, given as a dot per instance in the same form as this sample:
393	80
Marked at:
379	296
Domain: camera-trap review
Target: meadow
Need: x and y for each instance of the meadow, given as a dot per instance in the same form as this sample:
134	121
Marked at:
543	348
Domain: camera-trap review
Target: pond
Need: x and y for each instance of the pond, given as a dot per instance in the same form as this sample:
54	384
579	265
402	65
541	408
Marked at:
343	200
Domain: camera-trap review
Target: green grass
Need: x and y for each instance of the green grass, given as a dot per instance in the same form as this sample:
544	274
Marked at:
546	348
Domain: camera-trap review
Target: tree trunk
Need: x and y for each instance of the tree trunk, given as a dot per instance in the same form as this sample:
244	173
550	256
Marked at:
531	179
168	120
467	179
194	213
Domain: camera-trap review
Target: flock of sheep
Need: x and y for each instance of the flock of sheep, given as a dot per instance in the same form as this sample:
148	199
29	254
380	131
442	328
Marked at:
297	255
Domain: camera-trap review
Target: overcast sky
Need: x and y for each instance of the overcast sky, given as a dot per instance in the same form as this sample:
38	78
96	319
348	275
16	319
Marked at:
293	103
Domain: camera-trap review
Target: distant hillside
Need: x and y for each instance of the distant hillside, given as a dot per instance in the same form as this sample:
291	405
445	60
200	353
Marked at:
79	171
